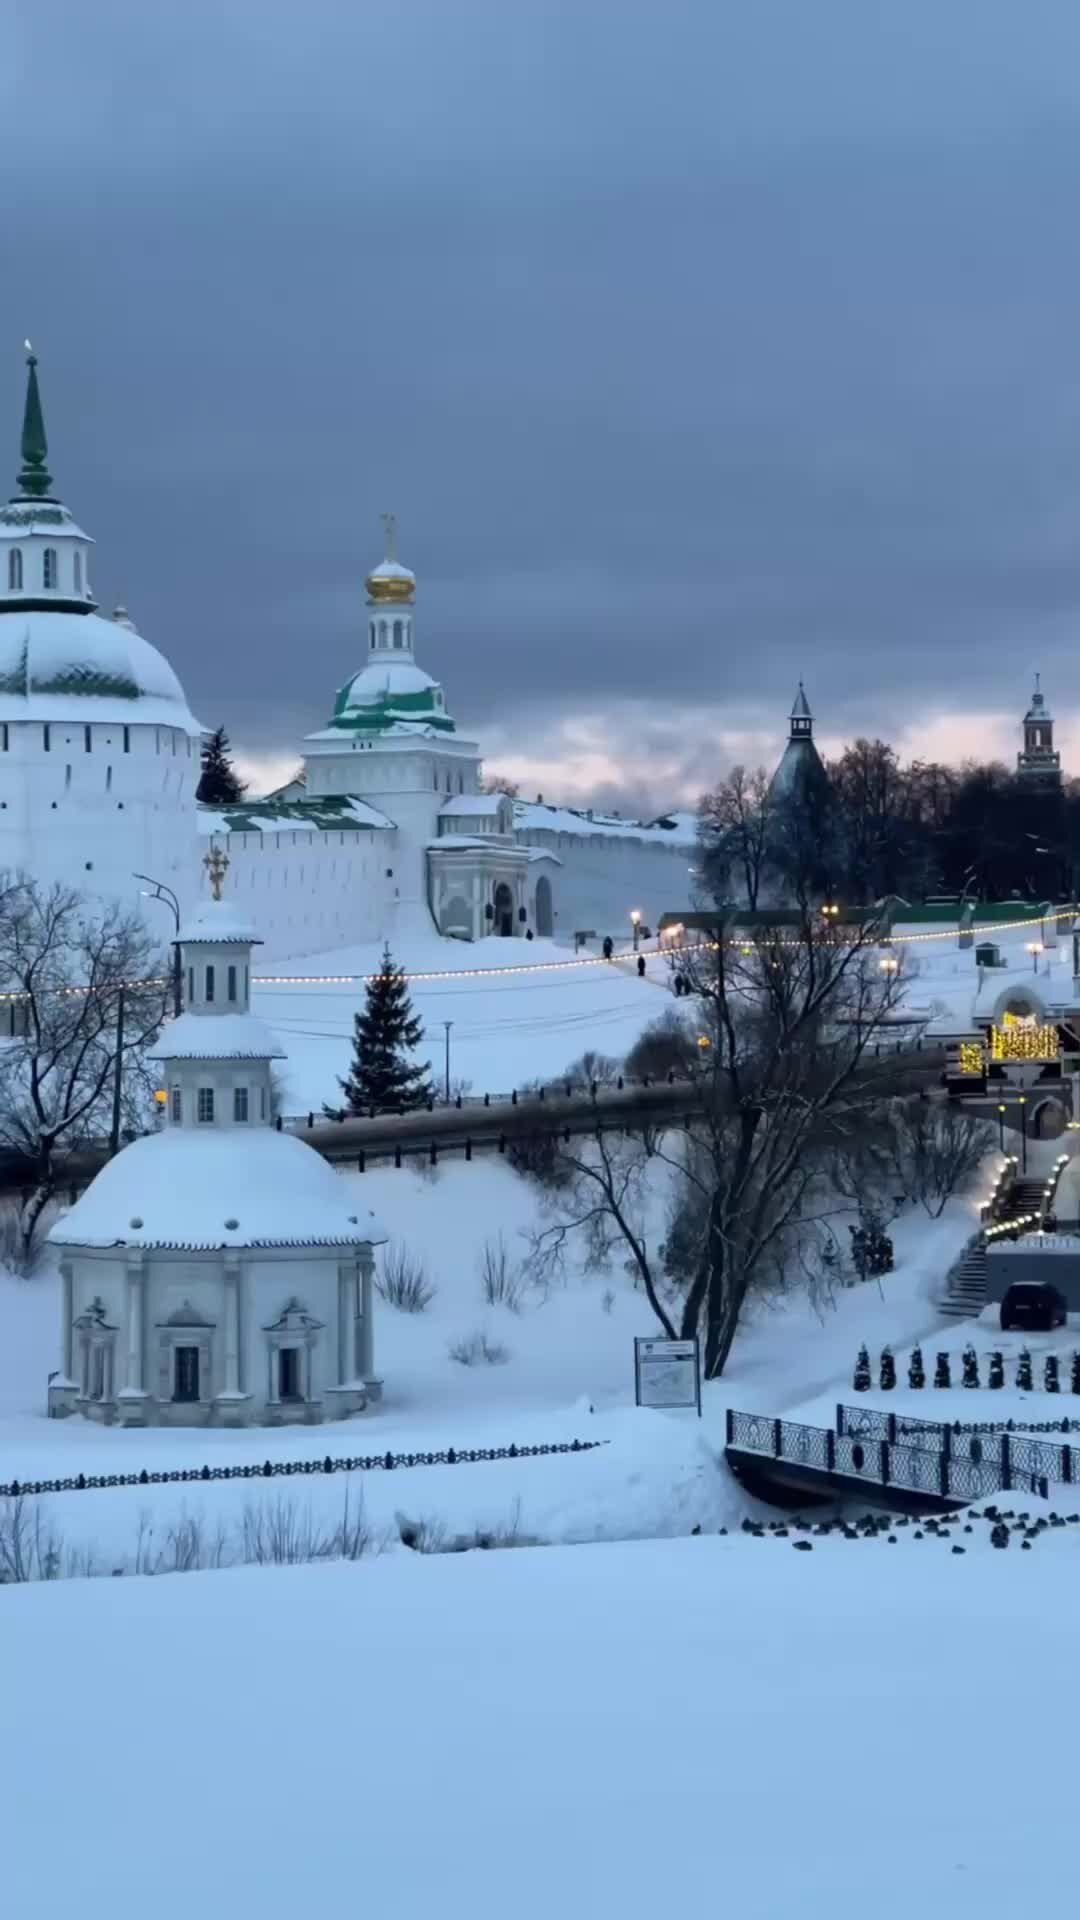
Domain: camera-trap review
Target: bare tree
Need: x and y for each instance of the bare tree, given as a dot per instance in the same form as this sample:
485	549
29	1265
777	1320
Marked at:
938	1149
90	993
791	1057
734	825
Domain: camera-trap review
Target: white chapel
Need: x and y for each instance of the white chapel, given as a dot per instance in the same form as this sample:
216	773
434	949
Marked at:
218	1272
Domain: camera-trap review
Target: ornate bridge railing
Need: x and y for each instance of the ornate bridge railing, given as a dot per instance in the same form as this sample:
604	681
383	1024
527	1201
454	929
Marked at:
1016	1458
905	1464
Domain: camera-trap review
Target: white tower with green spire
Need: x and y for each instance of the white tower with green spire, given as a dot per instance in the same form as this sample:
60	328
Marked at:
391	740
99	751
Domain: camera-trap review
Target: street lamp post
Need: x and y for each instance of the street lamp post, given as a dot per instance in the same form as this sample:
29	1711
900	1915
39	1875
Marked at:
447	1025
157	890
1023	1133
1001	1126
635	922
1034	947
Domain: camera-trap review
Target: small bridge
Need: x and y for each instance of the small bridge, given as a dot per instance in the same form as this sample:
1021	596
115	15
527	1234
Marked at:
917	1471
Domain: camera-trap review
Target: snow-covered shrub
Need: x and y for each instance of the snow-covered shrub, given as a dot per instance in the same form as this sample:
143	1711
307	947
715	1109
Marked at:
862	1380
1051	1378
888	1370
942	1375
996	1376
971	1367
916	1372
476	1350
501	1281
1075	1378
1023	1371
403	1282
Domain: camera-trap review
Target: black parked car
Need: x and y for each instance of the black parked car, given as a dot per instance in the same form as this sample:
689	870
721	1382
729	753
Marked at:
1034	1306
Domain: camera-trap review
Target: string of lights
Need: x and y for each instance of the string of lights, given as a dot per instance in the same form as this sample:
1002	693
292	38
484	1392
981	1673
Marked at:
663	948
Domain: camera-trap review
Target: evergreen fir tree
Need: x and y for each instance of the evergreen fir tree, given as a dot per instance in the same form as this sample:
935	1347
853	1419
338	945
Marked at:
888	1370
219	783
1075	1381
942	1376
1023	1371
382	1075
916	1372
997	1370
862	1381
971	1367
1051	1378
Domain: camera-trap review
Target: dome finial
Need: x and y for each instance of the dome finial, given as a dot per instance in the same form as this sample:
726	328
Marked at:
35	480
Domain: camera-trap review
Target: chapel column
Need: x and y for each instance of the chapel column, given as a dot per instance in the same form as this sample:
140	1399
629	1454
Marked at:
365	1333
69	1311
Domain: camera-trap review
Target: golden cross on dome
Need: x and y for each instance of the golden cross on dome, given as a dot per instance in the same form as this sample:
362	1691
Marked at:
389	521
216	864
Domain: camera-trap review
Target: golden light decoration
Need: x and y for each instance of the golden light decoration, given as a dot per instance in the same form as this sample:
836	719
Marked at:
1015	1041
971	1057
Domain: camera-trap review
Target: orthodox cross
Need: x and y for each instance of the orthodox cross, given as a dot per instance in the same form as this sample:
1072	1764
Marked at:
389	521
216	864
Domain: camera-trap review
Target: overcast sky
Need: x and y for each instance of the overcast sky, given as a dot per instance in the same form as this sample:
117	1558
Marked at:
696	345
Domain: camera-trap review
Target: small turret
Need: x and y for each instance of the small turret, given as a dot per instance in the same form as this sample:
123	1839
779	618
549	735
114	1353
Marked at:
1038	761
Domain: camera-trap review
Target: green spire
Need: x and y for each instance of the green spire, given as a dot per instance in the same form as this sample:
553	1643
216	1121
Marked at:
35	480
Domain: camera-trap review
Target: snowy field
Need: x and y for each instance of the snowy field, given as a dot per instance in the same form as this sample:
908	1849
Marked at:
521	1011
591	1731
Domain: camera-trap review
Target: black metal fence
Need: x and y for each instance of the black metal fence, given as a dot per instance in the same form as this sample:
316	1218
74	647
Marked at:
271	1469
1015	1456
879	1461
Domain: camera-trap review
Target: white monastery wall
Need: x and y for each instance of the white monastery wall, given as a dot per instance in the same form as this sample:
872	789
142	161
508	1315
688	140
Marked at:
308	891
92	803
603	878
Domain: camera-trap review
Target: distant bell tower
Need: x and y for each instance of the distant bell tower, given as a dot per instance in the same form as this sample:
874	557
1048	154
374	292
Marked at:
1039	760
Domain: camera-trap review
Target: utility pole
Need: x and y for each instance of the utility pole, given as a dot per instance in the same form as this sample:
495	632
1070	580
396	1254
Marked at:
118	1075
448	1024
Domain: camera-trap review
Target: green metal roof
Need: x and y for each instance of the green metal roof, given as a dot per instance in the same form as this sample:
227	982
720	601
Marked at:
330	813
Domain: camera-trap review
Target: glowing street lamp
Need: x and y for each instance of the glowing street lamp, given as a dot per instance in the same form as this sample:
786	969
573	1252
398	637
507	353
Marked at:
889	965
1001	1126
1034	947
635	922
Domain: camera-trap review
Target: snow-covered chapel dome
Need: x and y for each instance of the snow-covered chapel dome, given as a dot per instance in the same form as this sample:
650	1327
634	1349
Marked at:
59	659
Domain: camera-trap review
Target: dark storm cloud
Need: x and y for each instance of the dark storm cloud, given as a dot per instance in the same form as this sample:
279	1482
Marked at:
697	347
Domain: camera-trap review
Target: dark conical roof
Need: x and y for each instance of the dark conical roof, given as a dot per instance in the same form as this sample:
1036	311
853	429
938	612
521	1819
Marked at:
801	707
35	480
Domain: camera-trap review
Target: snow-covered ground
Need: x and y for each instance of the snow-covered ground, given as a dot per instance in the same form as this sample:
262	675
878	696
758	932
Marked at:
520	1010
567	1374
581	1731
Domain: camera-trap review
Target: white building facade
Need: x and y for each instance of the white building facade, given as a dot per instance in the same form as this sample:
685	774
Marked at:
217	1272
388	833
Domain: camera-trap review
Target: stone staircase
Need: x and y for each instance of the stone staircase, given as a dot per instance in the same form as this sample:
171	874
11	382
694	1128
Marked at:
965	1296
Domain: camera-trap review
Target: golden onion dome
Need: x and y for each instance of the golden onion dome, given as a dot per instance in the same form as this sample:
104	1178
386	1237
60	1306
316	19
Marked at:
390	584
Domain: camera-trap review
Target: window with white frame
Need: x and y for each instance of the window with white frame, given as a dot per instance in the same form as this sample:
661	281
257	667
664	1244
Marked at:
176	1106
231	977
50	572
240	1104
205	1109
77	570
14	570
209	984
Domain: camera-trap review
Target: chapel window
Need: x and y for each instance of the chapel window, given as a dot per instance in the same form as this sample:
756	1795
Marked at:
205	1109
240	1104
49	571
176	1106
14	570
209	984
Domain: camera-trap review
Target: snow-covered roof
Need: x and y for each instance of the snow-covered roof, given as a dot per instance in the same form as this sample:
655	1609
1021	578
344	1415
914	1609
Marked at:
216	1036
483	804
229	1187
325	814
671	829
391	570
218	920
76	666
503	849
